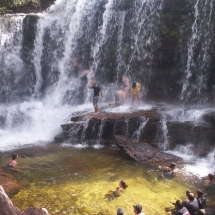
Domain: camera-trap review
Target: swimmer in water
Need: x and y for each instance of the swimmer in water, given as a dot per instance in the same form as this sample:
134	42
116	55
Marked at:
169	171
13	162
122	186
209	180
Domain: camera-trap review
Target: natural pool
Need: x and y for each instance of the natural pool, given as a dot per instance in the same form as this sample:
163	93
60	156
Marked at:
69	180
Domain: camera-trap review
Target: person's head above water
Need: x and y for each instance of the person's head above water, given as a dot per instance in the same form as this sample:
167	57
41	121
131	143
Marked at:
137	208
172	165
120	211
14	156
123	184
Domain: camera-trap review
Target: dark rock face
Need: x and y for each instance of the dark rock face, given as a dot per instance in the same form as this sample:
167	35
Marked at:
144	153
108	124
142	126
202	134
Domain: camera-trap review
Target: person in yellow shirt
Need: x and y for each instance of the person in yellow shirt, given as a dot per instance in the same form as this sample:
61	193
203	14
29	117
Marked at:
135	89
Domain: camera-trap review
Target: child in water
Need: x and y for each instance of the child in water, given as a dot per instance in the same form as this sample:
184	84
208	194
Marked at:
13	162
122	186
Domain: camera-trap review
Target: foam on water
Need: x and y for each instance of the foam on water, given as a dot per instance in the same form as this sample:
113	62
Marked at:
40	123
199	167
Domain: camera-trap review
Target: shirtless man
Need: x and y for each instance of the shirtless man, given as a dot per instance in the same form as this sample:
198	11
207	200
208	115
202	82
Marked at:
119	95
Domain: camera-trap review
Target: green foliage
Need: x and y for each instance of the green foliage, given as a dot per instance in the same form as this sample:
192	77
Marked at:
6	6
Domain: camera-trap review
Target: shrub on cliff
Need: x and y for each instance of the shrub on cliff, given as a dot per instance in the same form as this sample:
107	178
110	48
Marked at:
23	6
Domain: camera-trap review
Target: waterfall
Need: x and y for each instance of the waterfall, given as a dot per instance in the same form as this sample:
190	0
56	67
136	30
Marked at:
84	130
43	56
11	62
165	134
137	134
195	83
100	132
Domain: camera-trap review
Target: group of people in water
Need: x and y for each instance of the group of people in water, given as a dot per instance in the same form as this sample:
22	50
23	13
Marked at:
120	96
191	206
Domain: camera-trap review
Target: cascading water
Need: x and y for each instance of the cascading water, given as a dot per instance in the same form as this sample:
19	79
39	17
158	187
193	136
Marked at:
140	129
197	78
43	56
100	132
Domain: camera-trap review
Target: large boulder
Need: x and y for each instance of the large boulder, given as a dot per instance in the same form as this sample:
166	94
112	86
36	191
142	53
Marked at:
144	153
6	205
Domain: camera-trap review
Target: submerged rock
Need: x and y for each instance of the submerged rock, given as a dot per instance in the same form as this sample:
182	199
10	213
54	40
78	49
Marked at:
35	211
144	153
10	185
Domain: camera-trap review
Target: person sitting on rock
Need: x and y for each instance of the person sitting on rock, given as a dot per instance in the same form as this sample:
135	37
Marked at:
201	201
118	95
117	192
191	204
169	171
13	162
179	209
209	180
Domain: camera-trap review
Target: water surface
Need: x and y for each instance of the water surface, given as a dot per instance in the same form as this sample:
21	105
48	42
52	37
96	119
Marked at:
69	180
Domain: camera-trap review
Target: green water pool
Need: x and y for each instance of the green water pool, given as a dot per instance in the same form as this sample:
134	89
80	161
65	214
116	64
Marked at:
68	180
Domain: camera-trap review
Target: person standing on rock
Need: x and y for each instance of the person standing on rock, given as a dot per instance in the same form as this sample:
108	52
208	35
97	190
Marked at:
135	89
97	90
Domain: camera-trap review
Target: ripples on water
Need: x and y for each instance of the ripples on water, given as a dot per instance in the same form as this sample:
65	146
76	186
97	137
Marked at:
68	180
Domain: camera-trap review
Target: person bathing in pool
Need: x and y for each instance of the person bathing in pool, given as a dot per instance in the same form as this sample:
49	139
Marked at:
122	186
13	162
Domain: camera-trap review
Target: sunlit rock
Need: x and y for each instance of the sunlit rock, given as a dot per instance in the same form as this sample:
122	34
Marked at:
35	211
6	205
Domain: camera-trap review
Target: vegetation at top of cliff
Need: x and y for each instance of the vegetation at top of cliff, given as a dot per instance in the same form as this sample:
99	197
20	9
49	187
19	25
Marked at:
23	6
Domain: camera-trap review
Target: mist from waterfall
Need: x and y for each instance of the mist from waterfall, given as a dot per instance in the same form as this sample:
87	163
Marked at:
43	56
